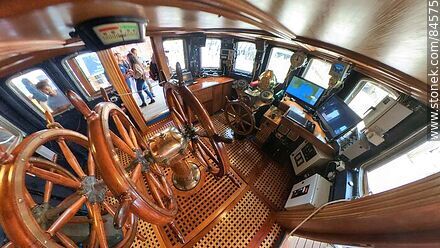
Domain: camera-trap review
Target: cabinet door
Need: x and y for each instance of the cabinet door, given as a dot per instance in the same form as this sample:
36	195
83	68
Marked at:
217	102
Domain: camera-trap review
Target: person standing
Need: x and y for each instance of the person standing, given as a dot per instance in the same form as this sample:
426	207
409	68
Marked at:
147	81
139	75
125	69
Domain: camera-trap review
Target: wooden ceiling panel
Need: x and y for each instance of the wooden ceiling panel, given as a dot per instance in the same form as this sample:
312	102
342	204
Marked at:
393	32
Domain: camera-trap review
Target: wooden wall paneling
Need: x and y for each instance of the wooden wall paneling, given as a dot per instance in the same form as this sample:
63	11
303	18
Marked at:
21	62
118	81
405	215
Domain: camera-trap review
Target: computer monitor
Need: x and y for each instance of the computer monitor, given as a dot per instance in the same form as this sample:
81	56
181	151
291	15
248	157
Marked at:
304	91
336	117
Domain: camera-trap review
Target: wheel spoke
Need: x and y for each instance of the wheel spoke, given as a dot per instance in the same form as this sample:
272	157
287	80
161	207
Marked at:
91	168
92	238
207	151
54	177
122	145
178	107
233	109
156	183
48	187
29	200
66	216
71	159
242	126
155	192
163	180
133	138
247	122
98	224
123	132
137	172
66	241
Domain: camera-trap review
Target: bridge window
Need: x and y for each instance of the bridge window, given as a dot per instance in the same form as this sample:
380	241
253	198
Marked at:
245	56
279	62
10	136
174	52
87	71
418	163
210	54
366	95
317	72
39	92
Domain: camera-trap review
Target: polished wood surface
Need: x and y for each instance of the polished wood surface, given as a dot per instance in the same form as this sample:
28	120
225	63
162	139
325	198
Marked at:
212	92
407	216
317	138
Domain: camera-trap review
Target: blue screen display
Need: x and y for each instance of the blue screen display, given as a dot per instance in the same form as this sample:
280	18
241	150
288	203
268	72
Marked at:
337	116
304	90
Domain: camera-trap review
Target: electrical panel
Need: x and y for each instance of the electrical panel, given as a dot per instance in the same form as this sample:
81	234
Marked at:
307	156
312	192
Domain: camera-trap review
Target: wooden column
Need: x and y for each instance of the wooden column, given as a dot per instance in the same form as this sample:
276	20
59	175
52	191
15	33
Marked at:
118	81
159	52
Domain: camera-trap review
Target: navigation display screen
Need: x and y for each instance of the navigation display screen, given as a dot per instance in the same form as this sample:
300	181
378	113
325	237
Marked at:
305	91
337	117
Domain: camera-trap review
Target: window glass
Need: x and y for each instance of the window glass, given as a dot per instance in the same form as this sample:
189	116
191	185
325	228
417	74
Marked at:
210	54
279	62
416	164
366	95
37	90
317	72
245	56
174	52
86	69
10	136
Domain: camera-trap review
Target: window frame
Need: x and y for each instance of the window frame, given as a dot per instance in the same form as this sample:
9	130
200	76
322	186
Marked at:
413	140
219	56
238	71
185	54
361	83
270	56
12	129
78	82
309	63
28	103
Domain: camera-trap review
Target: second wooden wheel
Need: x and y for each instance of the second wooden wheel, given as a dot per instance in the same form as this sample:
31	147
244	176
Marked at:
239	117
205	142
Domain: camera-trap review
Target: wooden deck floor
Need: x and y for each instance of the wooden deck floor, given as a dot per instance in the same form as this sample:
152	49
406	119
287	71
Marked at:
222	214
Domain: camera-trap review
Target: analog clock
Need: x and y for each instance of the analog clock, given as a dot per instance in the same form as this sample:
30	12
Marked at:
298	59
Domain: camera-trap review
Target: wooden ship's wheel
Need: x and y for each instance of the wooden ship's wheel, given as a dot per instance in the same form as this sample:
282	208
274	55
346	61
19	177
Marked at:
48	220
240	117
204	142
140	184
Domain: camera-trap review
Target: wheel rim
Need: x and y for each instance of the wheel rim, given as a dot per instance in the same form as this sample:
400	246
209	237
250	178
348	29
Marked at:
22	213
112	132
239	117
183	107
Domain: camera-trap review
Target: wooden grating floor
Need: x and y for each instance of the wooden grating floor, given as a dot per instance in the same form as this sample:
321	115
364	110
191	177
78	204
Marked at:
222	214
